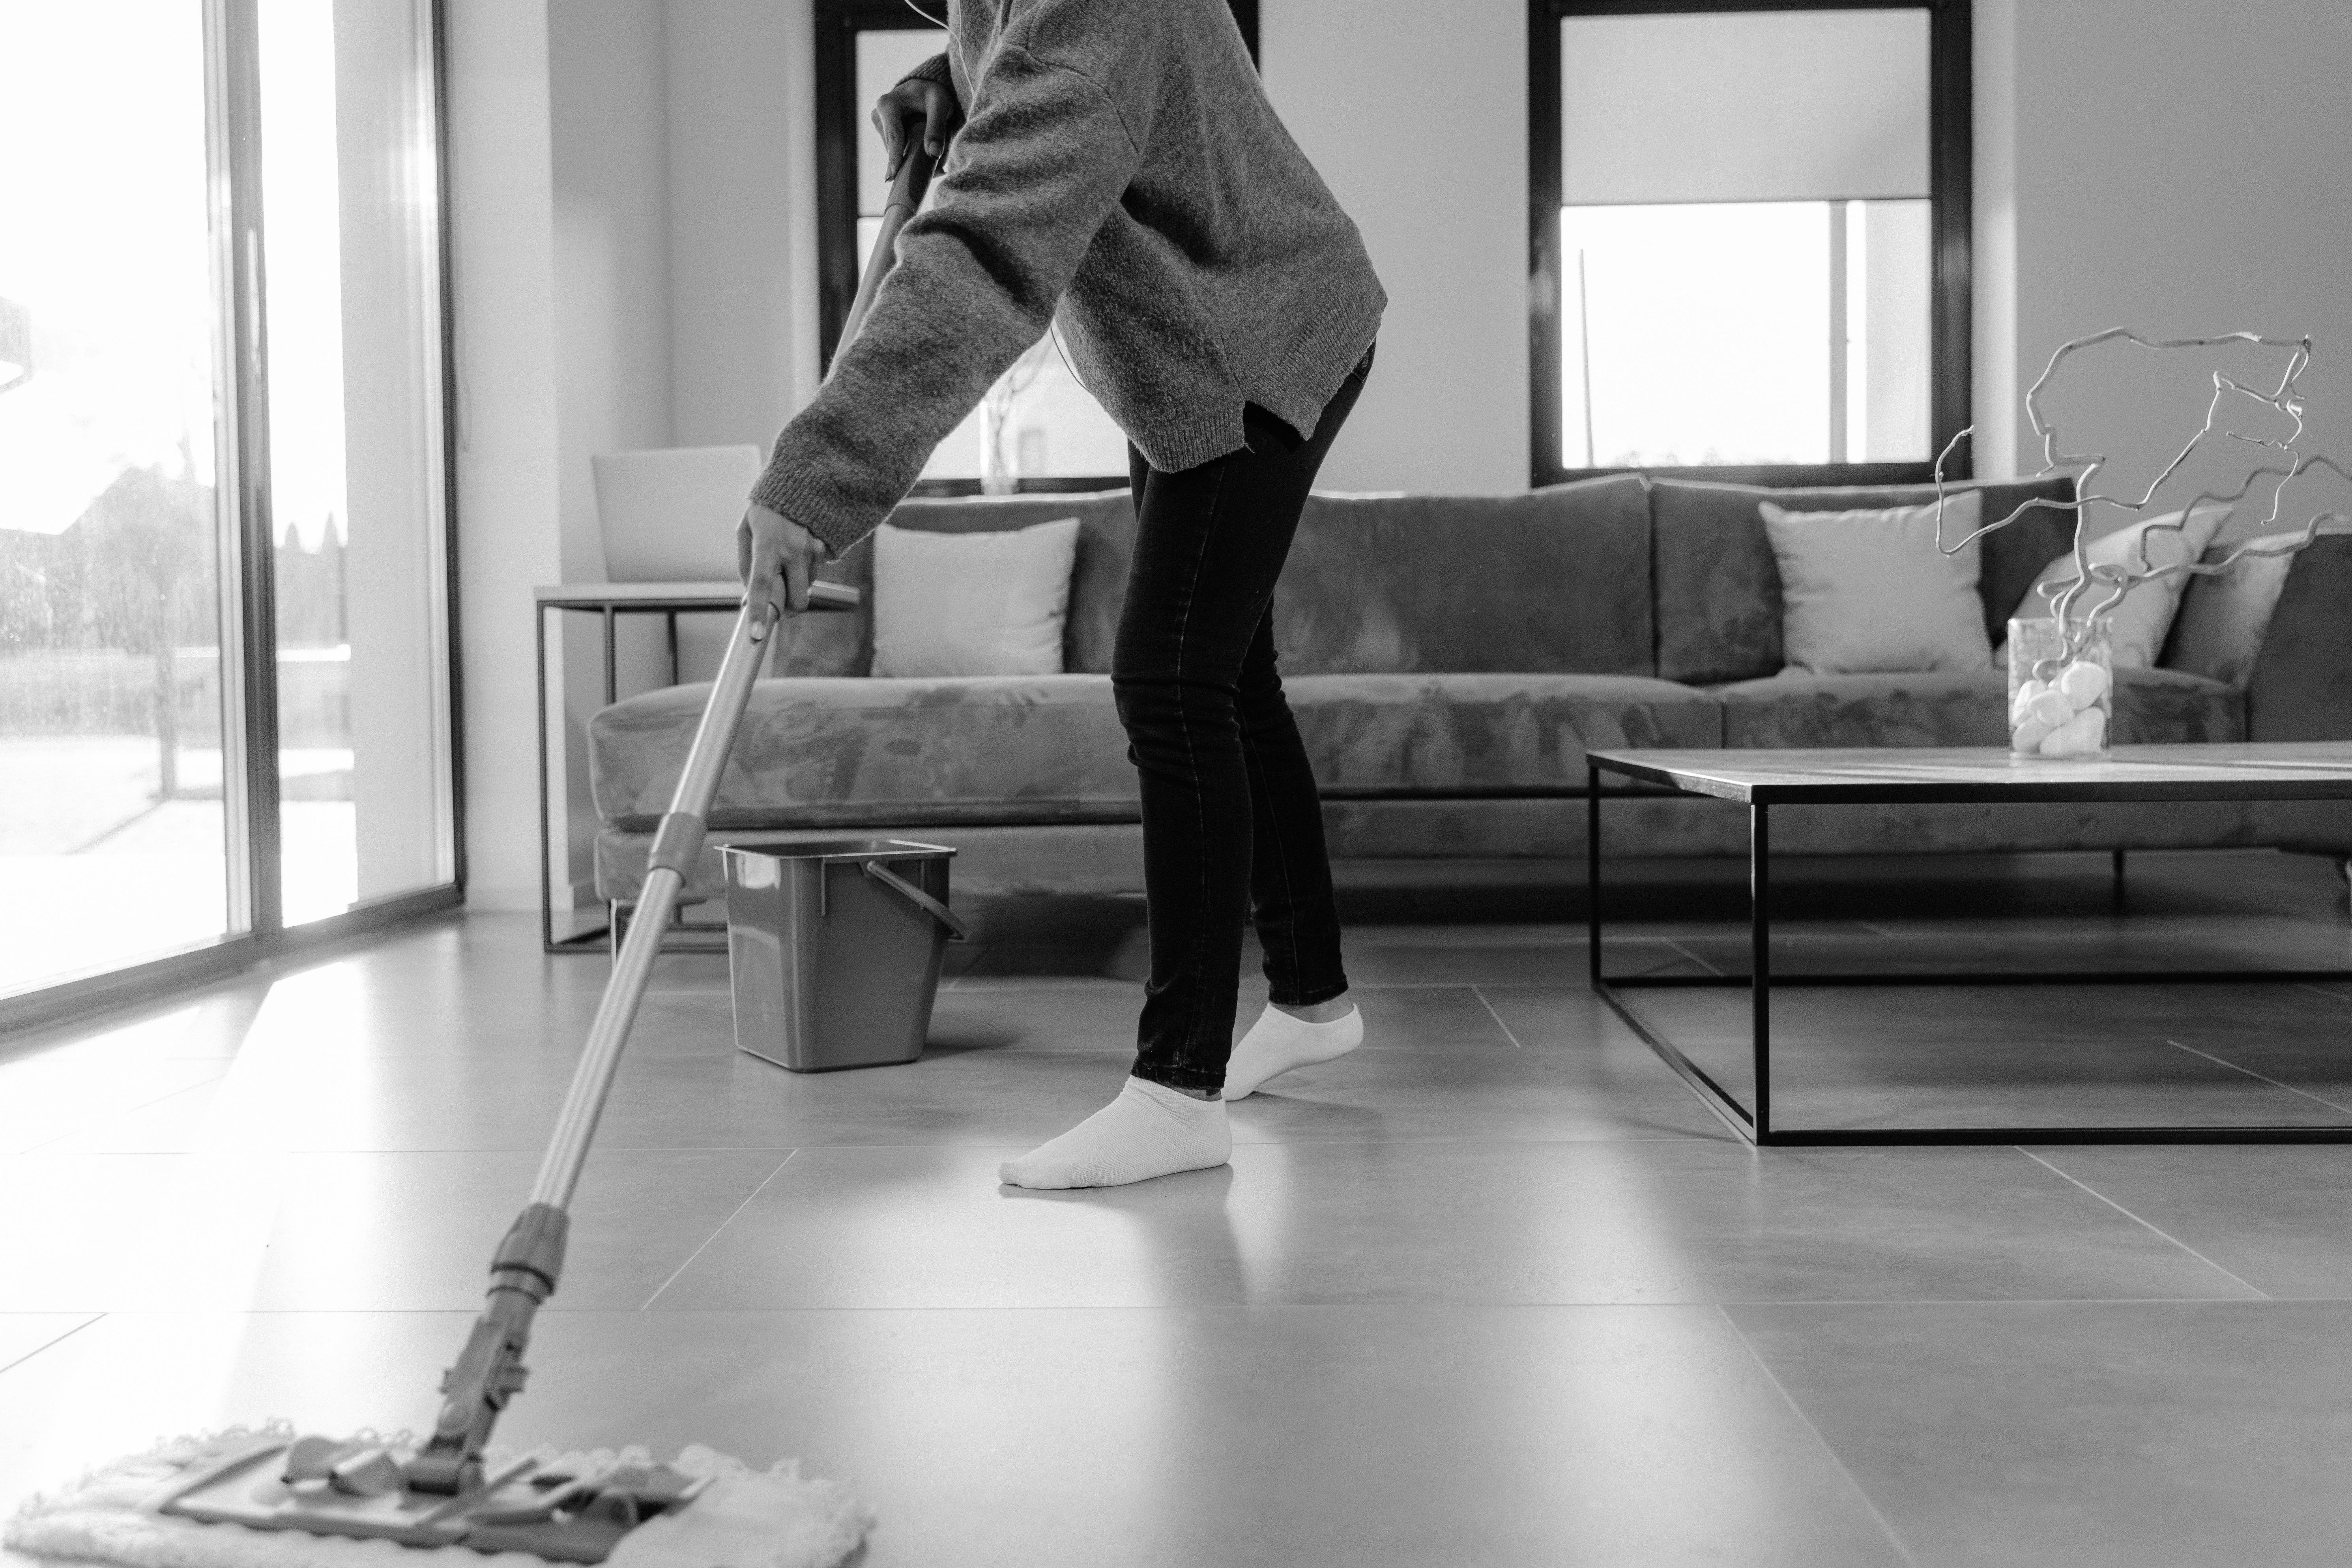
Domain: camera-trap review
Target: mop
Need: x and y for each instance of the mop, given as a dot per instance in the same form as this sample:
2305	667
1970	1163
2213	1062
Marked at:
267	1498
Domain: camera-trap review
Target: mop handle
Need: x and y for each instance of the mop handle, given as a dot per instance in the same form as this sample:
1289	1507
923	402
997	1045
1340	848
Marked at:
905	196
676	845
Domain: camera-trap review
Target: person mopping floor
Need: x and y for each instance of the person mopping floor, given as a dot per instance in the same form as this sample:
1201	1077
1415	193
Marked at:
1113	168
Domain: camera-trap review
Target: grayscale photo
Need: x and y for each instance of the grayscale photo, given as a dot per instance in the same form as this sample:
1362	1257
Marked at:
1175	783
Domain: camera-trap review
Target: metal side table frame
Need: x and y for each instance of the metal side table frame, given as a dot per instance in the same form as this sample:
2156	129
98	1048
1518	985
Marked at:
610	601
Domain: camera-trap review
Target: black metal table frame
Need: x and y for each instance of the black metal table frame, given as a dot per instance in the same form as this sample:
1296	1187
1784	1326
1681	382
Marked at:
1756	1124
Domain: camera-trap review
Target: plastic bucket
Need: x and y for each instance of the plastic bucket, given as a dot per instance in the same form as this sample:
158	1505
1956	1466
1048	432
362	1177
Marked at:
834	949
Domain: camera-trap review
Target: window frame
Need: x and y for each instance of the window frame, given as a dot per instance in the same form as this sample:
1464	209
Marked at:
838	118
1951	141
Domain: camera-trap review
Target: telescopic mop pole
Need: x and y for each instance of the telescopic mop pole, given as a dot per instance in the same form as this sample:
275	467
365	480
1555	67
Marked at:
524	1271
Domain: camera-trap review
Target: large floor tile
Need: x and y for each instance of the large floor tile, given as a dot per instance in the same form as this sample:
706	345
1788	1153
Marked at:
1513	962
58	1096
1873	1059
2274	1214
2141	1436
342	1232
1499	1096
1683	1220
2150	948
1256	1438
1100	1016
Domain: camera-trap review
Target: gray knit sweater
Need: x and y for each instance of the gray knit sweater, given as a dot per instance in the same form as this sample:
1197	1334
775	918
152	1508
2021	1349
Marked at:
1120	170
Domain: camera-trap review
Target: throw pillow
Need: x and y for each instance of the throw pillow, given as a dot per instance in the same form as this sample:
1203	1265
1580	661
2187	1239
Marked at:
2138	625
1867	592
972	604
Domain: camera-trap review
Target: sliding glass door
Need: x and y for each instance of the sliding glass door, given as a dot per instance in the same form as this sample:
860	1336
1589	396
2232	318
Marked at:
225	682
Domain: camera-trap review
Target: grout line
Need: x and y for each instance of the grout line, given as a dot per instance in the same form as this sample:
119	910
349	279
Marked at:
1798	1410
2136	1219
51	1344
723	1225
1694	958
1497	1017
2235	1066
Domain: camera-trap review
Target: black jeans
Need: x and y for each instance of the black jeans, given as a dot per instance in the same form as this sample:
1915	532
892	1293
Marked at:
1232	822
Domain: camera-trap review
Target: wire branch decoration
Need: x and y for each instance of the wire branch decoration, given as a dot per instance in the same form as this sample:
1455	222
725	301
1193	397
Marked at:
2290	464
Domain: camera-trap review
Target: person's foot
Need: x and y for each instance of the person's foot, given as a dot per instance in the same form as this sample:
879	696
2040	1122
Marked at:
1282	1039
1151	1130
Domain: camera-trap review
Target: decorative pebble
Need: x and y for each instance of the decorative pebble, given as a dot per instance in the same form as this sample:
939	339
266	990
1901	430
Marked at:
2083	682
2027	738
2079	736
2051	707
2025	695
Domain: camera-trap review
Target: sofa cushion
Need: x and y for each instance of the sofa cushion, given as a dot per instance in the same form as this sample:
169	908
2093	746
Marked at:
2223	617
1945	708
1440	732
1719	589
844	644
829	751
1554	581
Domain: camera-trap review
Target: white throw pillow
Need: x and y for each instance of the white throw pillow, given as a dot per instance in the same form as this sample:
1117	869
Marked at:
1865	592
972	604
2138	626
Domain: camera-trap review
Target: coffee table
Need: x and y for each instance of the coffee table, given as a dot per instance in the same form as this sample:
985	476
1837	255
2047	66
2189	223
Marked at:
1763	779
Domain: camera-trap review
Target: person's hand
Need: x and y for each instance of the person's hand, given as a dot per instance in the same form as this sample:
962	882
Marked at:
914	101
776	559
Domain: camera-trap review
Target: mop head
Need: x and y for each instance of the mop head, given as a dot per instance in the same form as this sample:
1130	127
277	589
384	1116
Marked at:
742	1518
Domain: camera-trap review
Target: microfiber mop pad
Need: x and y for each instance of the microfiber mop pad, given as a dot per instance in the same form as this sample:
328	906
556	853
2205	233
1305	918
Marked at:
744	1519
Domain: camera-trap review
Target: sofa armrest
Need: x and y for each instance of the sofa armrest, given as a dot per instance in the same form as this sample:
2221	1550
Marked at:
2300	687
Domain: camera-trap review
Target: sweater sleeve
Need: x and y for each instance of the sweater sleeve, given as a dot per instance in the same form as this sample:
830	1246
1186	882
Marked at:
933	69
1042	158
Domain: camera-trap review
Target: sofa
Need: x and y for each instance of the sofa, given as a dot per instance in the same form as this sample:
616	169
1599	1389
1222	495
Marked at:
1449	659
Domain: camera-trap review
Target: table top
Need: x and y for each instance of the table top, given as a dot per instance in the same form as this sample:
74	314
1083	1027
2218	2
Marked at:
2304	770
596	595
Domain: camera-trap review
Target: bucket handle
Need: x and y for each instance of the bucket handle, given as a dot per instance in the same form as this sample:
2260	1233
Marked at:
920	898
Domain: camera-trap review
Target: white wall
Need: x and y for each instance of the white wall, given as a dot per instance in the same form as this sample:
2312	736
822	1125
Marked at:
742	214
1416	113
507	535
2183	170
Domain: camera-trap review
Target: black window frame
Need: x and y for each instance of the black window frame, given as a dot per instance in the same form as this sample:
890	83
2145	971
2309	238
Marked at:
838	118
1950	194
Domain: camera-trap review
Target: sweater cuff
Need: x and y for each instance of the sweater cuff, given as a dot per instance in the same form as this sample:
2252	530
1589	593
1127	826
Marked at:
933	69
805	504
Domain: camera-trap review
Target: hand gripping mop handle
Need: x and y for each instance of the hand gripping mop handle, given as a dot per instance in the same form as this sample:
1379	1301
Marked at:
528	1262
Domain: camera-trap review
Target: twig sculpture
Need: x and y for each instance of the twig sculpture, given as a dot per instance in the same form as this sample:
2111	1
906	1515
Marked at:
2120	580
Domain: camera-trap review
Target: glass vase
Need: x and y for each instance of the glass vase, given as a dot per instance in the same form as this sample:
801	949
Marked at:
2062	689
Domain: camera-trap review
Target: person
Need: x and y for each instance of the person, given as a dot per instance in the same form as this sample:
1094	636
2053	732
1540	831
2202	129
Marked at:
1114	171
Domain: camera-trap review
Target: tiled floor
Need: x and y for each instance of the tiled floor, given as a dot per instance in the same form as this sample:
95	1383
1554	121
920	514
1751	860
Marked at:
1496	1289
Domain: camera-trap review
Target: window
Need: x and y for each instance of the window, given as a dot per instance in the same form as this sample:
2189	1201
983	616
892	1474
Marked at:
1038	428
1749	238
221	410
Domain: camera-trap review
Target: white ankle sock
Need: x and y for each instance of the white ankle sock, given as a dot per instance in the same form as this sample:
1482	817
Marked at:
1279	1042
1149	1131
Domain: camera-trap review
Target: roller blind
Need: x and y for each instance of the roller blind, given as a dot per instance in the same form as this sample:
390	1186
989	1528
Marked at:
1743	107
